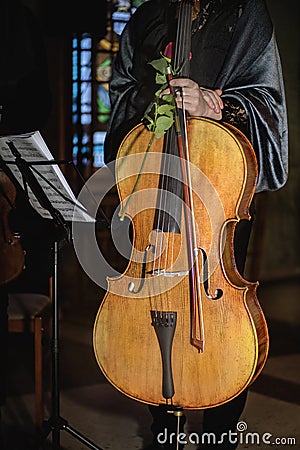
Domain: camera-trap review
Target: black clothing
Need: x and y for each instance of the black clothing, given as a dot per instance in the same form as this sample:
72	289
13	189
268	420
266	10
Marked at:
216	424
220	420
233	48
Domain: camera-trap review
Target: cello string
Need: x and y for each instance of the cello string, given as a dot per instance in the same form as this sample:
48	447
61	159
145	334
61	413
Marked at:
160	221
183	51
180	52
166	217
173	172
180	38
165	240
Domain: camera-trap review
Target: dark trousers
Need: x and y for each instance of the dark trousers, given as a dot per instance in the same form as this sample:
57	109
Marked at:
223	419
219	421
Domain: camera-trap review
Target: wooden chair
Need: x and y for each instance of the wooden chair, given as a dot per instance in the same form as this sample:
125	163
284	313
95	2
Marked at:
31	313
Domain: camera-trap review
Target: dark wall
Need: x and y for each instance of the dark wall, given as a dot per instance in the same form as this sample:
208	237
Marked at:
61	18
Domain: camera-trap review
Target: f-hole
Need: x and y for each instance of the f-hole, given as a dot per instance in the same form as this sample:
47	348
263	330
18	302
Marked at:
218	293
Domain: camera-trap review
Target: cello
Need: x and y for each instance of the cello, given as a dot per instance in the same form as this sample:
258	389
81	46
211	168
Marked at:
181	326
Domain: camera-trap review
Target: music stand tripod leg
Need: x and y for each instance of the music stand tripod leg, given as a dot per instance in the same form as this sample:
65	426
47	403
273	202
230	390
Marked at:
55	424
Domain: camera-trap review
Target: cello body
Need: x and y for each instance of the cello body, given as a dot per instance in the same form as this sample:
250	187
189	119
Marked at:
153	294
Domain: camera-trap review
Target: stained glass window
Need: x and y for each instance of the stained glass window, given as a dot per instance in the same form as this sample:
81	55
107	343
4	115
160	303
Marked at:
91	62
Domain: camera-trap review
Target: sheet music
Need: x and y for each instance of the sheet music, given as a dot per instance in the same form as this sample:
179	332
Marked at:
32	147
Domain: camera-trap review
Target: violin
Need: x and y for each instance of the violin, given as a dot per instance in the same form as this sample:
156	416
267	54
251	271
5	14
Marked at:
11	251
181	326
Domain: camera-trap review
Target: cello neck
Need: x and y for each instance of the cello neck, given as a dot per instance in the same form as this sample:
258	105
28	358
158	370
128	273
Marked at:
183	38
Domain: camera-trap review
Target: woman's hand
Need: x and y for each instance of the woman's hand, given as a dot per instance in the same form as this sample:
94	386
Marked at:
196	100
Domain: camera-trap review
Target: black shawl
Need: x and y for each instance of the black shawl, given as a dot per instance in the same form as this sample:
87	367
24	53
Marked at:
233	48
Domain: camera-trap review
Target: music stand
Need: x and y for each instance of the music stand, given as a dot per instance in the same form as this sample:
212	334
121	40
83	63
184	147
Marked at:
55	423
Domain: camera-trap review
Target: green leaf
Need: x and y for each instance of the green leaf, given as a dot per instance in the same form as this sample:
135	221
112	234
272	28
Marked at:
164	122
159	133
166	110
159	115
168	98
160	65
160	79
